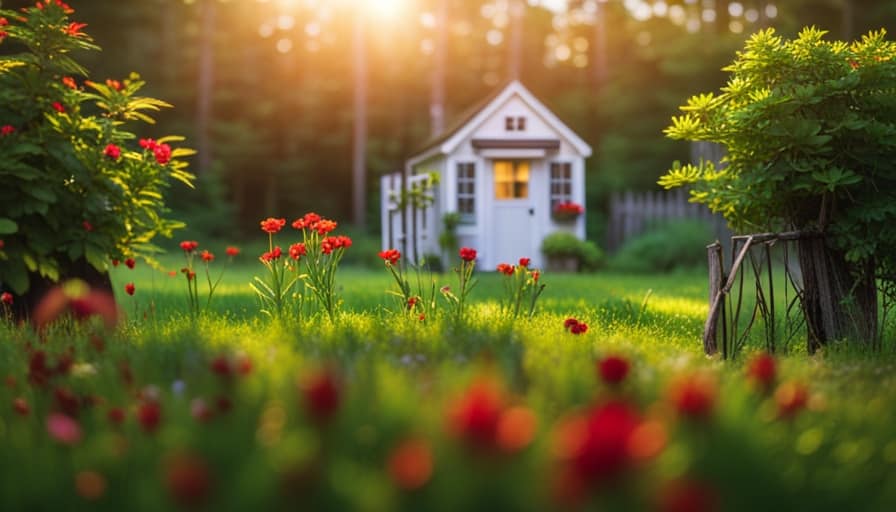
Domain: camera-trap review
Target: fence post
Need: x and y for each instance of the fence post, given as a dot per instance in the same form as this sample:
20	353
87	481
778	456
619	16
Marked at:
716	277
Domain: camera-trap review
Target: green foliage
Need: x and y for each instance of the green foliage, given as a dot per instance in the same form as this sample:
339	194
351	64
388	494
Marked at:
562	244
668	246
75	184
810	131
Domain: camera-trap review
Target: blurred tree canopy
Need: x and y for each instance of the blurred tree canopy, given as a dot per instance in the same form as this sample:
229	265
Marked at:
280	111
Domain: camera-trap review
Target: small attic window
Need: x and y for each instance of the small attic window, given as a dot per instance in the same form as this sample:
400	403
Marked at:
509	124
520	123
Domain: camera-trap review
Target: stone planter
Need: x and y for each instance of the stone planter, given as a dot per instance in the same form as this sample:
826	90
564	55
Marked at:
563	264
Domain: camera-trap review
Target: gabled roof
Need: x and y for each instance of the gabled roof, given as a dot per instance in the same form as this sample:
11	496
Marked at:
447	141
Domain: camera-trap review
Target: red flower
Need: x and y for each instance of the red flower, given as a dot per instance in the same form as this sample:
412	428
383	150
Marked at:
69	82
694	396
272	225
220	366
188	480
3	22
296	251
59	3
189	245
410	464
74	29
272	255
114	84
505	269
244	365
38	371
232	251
129	288
6	298
114	262
321	395
390	256
149	415
761	370
21	407
87	226
112	151
524	262
535	275
148	144
207	256
687	496
475	416
568	208
467	254
3	34
613	369
308	221
130	263
66	401
58	107
162	153
63	429
569	323
791	398
115	415
578	328
412	301
7	129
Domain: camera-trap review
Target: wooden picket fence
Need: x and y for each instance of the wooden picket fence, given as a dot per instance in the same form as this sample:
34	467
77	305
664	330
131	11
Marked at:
633	213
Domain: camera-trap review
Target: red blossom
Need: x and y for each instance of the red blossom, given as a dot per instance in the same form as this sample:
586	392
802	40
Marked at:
244	365
114	262
188	480
114	84
189	245
687	496
7	129
272	255
115	415
579	328
412	301
58	107
613	369
149	415
296	251
308	221
524	262
791	397
569	323
221	367
87	226
535	275
505	269
324	226
130	263
761	370
162	153
390	256
322	395
69	82
467	254
6	298
410	464
207	256
112	151
232	251
272	225
66	401
568	208
475	416
694	396
21	407
129	288
63	429
3	35
39	372
74	29
149	144
3	22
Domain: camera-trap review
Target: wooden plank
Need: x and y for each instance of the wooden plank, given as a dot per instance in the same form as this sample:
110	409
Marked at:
716	276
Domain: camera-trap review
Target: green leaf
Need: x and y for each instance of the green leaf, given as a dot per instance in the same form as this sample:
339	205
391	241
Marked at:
7	226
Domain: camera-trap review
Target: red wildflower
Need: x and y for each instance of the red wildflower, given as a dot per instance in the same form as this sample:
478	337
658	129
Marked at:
188	480
569	323
324	226
410	464
220	366
244	365
327	245
505	269
535	275
69	82
321	395
207	256
422	317
189	245
6	298
344	241
3	35
63	428
115	415
87	226
129	288
613	369
112	151
162	153
66	401
3	22
114	84
467	254
272	255
74	29
687	496
59	3
791	398
21	407
474	417
516	429
694	396
172	273
58	107
412	301
114	262
761	370
524	262
569	208
232	251
148	144
149	415
308	221
130	263
296	251
7	129
579	328
390	256
39	372
272	225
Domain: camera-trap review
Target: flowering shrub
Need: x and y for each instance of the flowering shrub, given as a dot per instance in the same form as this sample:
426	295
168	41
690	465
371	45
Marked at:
567	211
74	187
521	287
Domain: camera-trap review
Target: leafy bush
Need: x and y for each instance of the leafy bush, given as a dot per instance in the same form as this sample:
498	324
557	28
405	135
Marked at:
668	246
562	244
76	185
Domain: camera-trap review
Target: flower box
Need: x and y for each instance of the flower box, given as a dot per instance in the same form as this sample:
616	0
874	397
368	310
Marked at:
567	211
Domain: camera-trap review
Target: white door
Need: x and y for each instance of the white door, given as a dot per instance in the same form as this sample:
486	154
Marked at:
513	219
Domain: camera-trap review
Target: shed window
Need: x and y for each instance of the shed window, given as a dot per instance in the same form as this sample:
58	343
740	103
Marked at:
521	124
466	192
509	123
511	179
561	183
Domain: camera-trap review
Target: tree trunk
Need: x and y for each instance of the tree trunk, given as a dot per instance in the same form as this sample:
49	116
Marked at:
837	303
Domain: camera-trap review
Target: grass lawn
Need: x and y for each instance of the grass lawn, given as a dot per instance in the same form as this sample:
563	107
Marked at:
380	411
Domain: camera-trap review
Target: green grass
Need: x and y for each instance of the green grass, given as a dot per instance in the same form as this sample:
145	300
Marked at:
400	378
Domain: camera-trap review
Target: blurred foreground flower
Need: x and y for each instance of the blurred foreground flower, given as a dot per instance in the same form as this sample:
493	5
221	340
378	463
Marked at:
410	464
188	479
694	396
76	297
613	369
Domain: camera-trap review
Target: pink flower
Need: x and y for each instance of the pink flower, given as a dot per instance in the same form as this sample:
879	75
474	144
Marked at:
129	288
63	428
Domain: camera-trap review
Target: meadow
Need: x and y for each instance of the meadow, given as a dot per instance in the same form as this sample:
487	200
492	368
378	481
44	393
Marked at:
377	410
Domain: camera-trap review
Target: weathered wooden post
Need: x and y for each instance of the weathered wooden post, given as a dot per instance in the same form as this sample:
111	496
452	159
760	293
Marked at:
716	277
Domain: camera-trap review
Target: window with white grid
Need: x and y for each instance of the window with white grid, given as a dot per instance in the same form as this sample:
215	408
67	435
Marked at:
466	192
561	183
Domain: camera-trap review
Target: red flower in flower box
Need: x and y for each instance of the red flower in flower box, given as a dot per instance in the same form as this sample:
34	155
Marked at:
567	211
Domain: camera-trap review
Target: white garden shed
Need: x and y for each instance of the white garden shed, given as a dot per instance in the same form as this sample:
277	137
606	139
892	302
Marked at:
503	168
